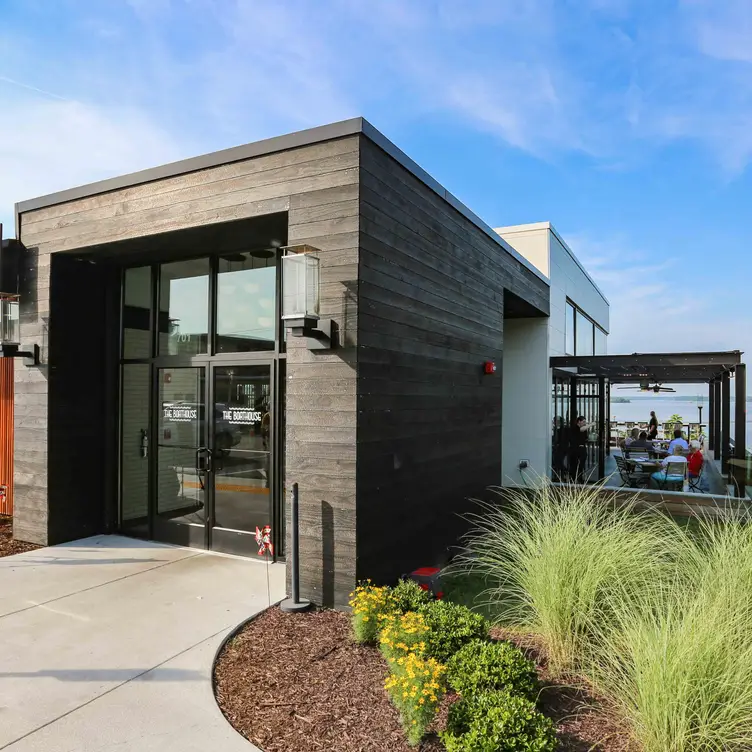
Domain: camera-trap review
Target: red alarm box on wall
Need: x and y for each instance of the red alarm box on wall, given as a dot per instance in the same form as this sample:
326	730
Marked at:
489	367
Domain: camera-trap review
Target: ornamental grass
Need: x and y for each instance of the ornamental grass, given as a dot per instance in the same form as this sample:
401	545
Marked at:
557	561
678	663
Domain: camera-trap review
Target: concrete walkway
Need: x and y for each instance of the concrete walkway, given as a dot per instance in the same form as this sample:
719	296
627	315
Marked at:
107	644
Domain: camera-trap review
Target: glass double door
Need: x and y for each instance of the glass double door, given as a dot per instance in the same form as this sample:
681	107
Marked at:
213	468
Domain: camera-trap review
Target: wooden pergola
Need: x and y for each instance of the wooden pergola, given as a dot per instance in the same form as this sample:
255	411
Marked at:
716	369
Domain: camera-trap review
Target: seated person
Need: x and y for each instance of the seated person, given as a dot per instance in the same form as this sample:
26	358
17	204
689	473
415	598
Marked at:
662	477
642	442
633	436
678	440
695	460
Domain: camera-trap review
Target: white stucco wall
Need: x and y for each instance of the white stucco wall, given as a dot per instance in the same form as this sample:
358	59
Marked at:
529	343
570	280
525	433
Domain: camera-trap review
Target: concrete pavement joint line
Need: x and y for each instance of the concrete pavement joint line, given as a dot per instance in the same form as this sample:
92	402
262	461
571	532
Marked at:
101	584
112	689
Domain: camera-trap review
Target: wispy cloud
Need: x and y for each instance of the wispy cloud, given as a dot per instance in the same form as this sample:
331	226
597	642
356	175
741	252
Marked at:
29	87
65	143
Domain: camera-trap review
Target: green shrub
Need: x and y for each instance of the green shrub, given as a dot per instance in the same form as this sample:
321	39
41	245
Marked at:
558	559
450	626
370	606
409	596
482	666
497	722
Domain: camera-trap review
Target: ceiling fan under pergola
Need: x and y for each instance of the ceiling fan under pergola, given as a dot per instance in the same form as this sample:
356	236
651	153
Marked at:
645	386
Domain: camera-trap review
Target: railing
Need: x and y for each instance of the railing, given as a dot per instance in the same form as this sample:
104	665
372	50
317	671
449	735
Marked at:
747	469
621	429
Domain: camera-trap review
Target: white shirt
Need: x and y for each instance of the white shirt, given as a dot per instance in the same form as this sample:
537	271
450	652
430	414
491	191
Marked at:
673	458
680	442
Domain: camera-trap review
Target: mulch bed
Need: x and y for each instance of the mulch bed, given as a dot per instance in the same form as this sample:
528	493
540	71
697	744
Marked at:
8	546
298	682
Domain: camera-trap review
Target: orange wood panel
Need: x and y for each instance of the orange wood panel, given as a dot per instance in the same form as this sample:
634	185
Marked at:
6	434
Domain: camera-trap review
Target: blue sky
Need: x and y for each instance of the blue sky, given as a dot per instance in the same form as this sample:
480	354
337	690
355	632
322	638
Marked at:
627	123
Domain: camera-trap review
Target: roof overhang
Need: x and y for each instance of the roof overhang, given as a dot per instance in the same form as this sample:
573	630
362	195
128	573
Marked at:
342	129
657	368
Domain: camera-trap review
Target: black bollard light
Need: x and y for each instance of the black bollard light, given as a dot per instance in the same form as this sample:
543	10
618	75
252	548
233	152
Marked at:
294	604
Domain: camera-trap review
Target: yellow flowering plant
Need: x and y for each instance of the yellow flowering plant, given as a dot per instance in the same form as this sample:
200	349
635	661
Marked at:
416	686
402	634
371	605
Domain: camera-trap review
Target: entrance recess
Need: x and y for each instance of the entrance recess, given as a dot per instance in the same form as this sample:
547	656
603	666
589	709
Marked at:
214	465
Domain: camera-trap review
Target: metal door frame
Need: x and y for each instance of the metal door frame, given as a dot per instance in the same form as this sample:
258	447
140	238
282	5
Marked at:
242	542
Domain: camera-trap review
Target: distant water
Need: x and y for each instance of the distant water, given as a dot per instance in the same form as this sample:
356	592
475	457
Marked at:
639	410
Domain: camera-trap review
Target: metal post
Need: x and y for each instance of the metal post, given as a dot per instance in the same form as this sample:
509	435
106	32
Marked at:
602	440
572	461
717	420
711	415
699	424
725	420
294	604
608	417
740	430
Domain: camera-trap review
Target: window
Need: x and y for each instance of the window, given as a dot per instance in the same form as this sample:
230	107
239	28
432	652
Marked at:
569	329
137	312
600	341
246	302
584	337
184	307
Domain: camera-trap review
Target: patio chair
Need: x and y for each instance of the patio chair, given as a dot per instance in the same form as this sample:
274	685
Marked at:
673	475
629	477
693	481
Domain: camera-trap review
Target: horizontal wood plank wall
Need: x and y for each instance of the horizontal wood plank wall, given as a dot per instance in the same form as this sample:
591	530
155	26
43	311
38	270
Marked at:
321	398
430	313
318	186
6	434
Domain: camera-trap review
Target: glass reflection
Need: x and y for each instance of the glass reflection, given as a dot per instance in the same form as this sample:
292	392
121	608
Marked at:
242	448
247	301
137	312
184	307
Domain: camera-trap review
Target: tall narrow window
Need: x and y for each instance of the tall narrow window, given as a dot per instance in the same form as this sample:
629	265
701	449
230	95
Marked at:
137	312
247	301
184	307
600	341
569	329
584	344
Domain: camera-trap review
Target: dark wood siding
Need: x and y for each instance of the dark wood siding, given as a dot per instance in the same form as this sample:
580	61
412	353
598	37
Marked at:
318	186
430	313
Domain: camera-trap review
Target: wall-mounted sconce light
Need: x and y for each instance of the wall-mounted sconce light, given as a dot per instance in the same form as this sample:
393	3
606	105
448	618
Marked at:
301	297
10	332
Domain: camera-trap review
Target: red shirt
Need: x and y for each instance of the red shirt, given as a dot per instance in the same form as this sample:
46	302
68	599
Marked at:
695	463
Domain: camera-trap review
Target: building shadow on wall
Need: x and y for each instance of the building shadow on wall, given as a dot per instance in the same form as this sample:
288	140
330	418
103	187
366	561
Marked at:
327	554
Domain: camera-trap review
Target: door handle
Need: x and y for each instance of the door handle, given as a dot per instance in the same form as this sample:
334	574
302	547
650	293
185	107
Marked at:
204	459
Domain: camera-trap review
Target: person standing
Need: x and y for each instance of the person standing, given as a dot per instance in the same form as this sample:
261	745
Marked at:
652	426
579	447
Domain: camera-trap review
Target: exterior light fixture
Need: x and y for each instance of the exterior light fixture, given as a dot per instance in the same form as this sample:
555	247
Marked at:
10	331
301	297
